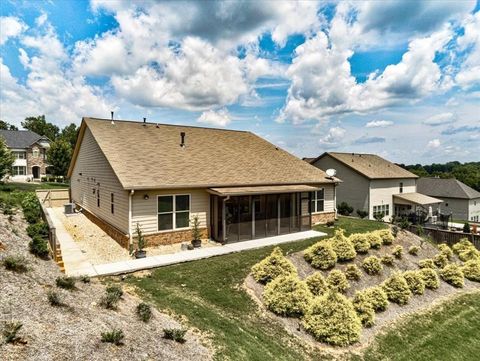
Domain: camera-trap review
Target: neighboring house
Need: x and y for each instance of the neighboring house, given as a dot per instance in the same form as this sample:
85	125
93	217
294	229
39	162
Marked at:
459	199
375	185
30	151
159	176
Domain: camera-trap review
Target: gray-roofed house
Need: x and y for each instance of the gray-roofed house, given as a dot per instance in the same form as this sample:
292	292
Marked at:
462	201
30	151
159	176
373	184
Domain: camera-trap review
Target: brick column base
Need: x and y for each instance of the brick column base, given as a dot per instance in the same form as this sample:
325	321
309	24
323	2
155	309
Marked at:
165	238
321	218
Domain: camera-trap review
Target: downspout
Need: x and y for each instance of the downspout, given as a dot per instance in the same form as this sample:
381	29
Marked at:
224	220
335	199
130	236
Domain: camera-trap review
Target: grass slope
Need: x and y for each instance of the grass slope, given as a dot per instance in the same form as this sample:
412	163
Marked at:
449	332
208	292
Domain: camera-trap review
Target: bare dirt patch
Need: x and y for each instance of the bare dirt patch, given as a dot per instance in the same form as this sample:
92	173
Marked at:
73	332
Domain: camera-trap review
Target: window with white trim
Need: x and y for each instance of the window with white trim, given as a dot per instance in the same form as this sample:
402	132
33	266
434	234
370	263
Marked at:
20	155
173	212
384	208
318	201
19	170
36	152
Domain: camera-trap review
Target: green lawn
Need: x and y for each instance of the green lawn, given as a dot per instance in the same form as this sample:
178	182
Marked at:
449	332
208	292
13	192
352	225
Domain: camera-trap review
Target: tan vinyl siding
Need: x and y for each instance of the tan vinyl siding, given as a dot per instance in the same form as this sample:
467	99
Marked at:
144	211
92	171
328	203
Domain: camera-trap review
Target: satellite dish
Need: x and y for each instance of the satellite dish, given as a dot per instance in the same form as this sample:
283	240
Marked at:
331	172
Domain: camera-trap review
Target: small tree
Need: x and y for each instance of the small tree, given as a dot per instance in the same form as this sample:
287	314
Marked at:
140	238
466	228
59	156
6	159
196	233
344	209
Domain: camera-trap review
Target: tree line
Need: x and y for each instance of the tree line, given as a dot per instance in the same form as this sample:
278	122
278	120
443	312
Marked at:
468	173
62	141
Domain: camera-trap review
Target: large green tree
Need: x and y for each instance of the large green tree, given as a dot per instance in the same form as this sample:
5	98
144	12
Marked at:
40	126
7	126
69	134
59	156
6	159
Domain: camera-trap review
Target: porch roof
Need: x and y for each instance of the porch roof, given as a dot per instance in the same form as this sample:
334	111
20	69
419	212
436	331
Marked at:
239	191
415	198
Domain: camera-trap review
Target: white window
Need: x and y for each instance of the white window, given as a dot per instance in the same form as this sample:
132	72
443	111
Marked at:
318	201
173	212
20	155
19	170
35	152
384	208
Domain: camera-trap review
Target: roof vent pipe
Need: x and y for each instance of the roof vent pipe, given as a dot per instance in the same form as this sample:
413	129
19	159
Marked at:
111	113
144	121
182	141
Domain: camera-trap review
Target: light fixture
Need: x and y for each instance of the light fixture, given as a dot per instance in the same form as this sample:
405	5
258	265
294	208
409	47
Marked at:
146	197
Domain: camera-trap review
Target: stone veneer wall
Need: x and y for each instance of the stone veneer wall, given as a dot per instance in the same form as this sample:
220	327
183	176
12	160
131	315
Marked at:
165	238
323	217
36	161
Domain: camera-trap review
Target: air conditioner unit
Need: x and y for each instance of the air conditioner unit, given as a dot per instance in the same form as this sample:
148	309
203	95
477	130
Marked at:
69	208
434	219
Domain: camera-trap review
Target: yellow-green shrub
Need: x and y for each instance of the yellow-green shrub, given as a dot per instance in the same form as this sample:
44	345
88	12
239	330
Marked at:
463	245
342	246
469	254
360	242
337	281
430	277
377	298
447	251
397	290
287	296
352	272
372	265
364	309
386	236
332	319
316	284
415	282
387	260
413	250
426	263
440	260
374	239
320	255
471	270
397	251
453	275
272	267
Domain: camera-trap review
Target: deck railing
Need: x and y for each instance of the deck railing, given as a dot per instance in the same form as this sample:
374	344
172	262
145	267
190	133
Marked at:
448	237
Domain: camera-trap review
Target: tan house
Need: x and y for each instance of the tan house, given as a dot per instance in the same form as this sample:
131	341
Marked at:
375	185
159	176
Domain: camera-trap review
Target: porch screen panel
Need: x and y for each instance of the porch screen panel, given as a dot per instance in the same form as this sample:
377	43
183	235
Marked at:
245	218
260	213
305	211
285	211
231	218
272	215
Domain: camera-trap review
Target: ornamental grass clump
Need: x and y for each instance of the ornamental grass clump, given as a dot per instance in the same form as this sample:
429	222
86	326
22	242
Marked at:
471	270
377	298
374	239
430	277
332	319
360	242
337	281
67	283
397	252
372	265
440	260
386	236
452	274
321	255
446	250
397	290
316	284
144	311
287	296
387	260
343	247
352	272
415	282
15	264
426	263
273	266
413	250
364	309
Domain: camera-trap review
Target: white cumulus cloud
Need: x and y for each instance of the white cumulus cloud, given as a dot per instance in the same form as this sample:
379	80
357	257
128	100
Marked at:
219	118
440	119
434	143
10	27
379	124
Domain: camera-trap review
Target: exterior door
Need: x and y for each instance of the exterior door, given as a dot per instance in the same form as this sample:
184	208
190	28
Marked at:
36	172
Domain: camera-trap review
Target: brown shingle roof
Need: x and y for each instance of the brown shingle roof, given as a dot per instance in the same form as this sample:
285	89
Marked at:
150	156
370	165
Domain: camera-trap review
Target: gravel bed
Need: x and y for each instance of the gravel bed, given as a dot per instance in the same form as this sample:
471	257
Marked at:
73	332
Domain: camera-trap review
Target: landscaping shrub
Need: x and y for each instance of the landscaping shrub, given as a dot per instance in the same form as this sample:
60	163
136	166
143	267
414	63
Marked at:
440	260
462	245
430	278
394	231
447	251
15	264
316	284
320	255
344	209
38	229
31	208
413	250
453	275
287	296
364	309
471	270
54	299
175	334
469	254
115	290
342	246
10	332
360	242
110	301
85	279
352	272
388	260
144	312
332	319
466	228
337	281
273	266
362	214
386	236
39	247
397	252
397	290
67	283
415	282
374	239
372	265
426	263
330	223
377	298
115	336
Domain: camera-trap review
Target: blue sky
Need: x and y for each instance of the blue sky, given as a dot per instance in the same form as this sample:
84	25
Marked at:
397	78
